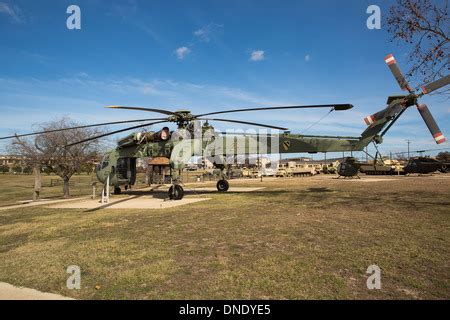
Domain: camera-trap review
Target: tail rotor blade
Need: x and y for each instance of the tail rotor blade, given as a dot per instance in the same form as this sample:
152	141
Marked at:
435	85
390	111
431	123
392	64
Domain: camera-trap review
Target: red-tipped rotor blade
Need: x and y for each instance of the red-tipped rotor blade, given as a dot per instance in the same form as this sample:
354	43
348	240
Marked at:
392	64
431	123
369	120
435	85
388	112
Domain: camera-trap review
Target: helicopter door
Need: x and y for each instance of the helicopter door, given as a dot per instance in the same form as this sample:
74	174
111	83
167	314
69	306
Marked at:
132	170
126	169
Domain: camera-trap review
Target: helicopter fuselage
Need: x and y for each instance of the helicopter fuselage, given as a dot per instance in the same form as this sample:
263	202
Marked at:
120	164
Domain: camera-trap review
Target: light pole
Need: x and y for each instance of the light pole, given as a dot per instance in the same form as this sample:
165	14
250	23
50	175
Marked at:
409	142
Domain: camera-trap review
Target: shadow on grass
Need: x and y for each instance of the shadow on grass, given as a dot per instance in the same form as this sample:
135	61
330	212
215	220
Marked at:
319	190
13	241
106	206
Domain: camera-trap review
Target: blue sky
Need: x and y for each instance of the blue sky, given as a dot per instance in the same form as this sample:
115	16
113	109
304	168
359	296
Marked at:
203	56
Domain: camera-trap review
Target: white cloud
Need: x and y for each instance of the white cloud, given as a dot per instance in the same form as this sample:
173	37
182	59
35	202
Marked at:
202	33
128	12
82	74
12	11
182	52
206	33
257	55
307	57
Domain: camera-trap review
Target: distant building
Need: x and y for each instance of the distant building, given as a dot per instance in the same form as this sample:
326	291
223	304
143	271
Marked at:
12	161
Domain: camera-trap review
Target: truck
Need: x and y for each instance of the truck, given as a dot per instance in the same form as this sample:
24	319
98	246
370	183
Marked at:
293	169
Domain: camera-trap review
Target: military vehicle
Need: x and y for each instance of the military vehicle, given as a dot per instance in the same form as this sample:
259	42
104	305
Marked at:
294	169
268	172
252	172
384	167
330	168
424	165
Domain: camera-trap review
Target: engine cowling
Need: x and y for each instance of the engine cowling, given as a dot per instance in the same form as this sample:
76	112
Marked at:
144	137
161	135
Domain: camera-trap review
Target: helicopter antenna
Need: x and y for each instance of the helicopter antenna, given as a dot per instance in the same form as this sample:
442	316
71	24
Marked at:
317	122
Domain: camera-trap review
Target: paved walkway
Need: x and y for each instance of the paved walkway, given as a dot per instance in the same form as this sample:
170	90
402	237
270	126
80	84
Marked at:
10	292
141	199
40	203
130	202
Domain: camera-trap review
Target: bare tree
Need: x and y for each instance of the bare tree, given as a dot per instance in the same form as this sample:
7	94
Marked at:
31	157
443	156
50	150
423	26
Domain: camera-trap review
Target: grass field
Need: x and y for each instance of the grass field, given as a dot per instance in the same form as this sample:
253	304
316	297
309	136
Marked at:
19	187
298	238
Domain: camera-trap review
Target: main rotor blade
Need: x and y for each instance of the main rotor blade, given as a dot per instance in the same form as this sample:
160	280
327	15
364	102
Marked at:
392	64
431	123
169	113
245	122
114	132
337	107
430	87
78	127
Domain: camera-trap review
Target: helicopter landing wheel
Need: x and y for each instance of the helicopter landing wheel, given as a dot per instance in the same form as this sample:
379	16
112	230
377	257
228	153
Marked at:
222	185
117	190
176	192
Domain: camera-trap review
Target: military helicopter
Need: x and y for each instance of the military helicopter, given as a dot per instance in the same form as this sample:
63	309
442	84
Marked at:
425	165
349	168
119	165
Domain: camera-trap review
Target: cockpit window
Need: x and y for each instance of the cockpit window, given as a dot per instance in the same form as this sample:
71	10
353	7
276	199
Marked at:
105	158
104	164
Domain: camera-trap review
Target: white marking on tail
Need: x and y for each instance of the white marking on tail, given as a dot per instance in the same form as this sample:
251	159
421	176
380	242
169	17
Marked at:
439	138
369	120
389	59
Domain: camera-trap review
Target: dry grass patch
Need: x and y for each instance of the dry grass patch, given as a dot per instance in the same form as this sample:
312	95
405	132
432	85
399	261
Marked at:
296	239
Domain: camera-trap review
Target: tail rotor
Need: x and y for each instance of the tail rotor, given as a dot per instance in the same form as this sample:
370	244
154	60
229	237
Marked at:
411	99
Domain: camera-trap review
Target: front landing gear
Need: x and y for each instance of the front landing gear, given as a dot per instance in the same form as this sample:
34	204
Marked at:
222	185
176	192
